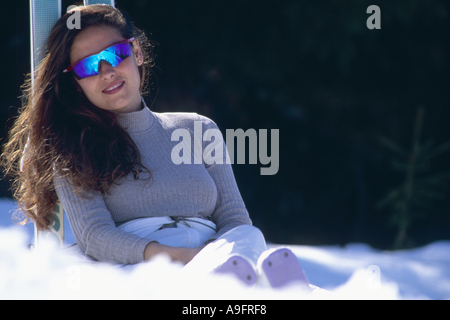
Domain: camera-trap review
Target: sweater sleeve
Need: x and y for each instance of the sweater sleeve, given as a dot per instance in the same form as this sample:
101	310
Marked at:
230	211
94	229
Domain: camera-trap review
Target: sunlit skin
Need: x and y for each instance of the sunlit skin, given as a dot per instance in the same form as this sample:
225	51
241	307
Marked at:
125	98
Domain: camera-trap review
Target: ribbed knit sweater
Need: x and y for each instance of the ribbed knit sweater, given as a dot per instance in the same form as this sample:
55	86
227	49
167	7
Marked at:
190	190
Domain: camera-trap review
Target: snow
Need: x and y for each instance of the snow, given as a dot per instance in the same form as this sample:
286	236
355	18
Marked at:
356	271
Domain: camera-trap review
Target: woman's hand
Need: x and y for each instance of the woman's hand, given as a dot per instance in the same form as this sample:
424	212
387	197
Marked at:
183	255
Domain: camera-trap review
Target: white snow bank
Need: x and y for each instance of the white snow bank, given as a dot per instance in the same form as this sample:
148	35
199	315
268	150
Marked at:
47	274
420	273
356	271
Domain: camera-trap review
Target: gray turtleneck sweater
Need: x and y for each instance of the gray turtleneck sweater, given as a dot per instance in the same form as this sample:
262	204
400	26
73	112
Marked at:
190	190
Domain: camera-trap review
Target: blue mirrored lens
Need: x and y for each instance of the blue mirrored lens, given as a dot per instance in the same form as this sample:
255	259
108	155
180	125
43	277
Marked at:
113	55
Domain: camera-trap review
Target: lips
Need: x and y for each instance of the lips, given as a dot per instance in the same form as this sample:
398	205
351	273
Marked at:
113	88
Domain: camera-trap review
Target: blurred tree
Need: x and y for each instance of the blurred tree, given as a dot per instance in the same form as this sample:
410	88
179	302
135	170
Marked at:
415	197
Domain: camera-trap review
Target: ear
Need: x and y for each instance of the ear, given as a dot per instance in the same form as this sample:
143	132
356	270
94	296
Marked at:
79	89
137	52
77	85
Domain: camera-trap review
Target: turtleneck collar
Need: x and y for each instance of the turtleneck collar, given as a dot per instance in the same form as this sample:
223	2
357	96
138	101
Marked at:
137	122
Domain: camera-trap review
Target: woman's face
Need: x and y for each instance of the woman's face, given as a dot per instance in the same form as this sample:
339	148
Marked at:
124	78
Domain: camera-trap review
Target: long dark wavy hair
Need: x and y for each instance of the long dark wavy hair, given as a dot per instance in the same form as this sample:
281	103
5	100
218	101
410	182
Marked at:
63	132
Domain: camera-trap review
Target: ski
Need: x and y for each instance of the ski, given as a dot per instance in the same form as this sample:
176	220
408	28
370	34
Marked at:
43	16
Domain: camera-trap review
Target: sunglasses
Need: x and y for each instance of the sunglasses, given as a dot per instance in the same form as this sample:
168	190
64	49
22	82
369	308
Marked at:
114	55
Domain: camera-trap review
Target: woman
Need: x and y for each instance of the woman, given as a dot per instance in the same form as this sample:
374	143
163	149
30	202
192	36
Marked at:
92	142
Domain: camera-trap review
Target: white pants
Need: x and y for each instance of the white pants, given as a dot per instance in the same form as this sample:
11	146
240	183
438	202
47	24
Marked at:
244	240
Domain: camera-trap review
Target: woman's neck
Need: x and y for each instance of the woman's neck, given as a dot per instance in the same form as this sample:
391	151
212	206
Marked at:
136	122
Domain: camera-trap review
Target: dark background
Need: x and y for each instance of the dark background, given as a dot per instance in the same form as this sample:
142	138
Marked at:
333	88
